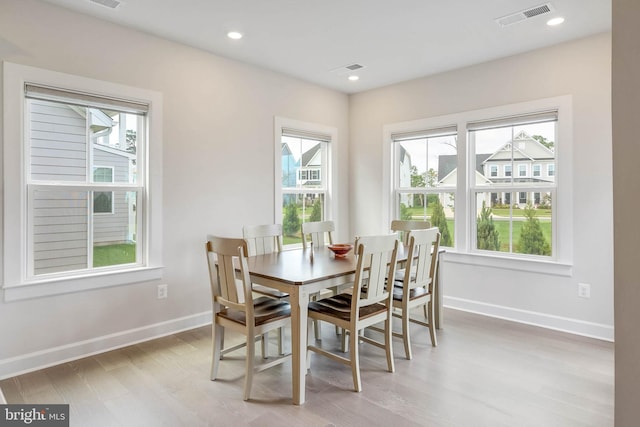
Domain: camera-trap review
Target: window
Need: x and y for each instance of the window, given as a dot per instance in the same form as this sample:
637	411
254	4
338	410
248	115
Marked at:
521	227
536	170
522	170
83	184
507	211
304	184
551	169
425	176
103	200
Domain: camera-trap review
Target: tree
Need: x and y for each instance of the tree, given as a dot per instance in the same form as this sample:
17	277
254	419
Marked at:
544	141
291	220
488	235
404	212
439	220
417	180
532	240
316	211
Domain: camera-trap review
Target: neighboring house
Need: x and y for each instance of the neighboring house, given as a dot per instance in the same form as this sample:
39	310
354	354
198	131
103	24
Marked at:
524	159
63	236
448	175
310	172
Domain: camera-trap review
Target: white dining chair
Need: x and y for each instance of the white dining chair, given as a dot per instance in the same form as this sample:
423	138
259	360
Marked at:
235	308
356	310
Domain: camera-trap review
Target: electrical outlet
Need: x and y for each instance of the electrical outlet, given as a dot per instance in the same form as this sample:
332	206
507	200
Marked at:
162	291
584	290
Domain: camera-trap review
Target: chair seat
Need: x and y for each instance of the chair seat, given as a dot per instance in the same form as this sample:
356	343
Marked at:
340	306
265	310
414	293
270	292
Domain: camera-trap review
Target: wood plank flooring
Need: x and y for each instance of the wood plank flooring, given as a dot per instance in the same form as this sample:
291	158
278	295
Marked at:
484	372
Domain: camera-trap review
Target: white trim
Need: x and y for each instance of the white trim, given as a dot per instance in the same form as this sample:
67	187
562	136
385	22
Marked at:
540	265
65	285
558	323
150	217
19	365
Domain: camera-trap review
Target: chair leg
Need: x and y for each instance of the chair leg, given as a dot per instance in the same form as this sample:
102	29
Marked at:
265	345
432	325
317	329
355	362
405	333
248	375
310	324
280	341
344	340
217	338
388	343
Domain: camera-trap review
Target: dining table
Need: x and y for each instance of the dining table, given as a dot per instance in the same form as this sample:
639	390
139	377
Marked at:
302	272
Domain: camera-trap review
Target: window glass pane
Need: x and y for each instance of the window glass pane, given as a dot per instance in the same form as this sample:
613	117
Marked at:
62	231
427	162
303	163
117	146
114	236
60	134
437	208
520	148
523	228
298	208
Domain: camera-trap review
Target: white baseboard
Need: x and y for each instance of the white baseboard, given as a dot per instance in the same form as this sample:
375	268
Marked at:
54	356
558	323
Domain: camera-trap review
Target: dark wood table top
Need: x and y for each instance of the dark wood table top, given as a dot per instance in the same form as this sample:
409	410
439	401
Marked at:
294	267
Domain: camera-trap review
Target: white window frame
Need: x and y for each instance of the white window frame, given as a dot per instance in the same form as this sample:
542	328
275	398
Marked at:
463	253
493	171
507	170
17	283
330	169
521	169
551	169
537	170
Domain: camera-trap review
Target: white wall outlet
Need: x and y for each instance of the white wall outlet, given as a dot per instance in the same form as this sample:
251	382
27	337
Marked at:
163	291
584	290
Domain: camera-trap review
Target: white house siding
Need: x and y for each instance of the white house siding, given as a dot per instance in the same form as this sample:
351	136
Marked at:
58	152
112	227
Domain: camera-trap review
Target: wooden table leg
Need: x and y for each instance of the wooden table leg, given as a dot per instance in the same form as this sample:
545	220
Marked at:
299	305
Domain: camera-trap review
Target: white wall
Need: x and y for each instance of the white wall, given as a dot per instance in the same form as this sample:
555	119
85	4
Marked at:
626	150
580	69
218	172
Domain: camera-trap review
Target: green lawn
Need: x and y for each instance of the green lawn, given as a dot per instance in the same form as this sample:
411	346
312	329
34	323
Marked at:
114	254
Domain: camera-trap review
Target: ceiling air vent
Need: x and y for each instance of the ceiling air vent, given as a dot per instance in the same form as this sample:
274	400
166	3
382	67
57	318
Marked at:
525	14
111	4
347	69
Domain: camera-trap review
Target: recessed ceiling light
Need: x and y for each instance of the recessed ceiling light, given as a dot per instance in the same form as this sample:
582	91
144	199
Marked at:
555	21
234	35
353	78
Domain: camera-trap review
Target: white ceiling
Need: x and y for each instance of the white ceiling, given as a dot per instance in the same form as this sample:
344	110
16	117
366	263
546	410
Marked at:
395	40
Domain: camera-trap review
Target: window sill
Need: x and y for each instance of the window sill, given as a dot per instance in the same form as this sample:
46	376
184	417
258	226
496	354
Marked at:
554	268
58	286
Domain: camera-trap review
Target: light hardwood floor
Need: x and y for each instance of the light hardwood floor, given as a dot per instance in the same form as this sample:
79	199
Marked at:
484	372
